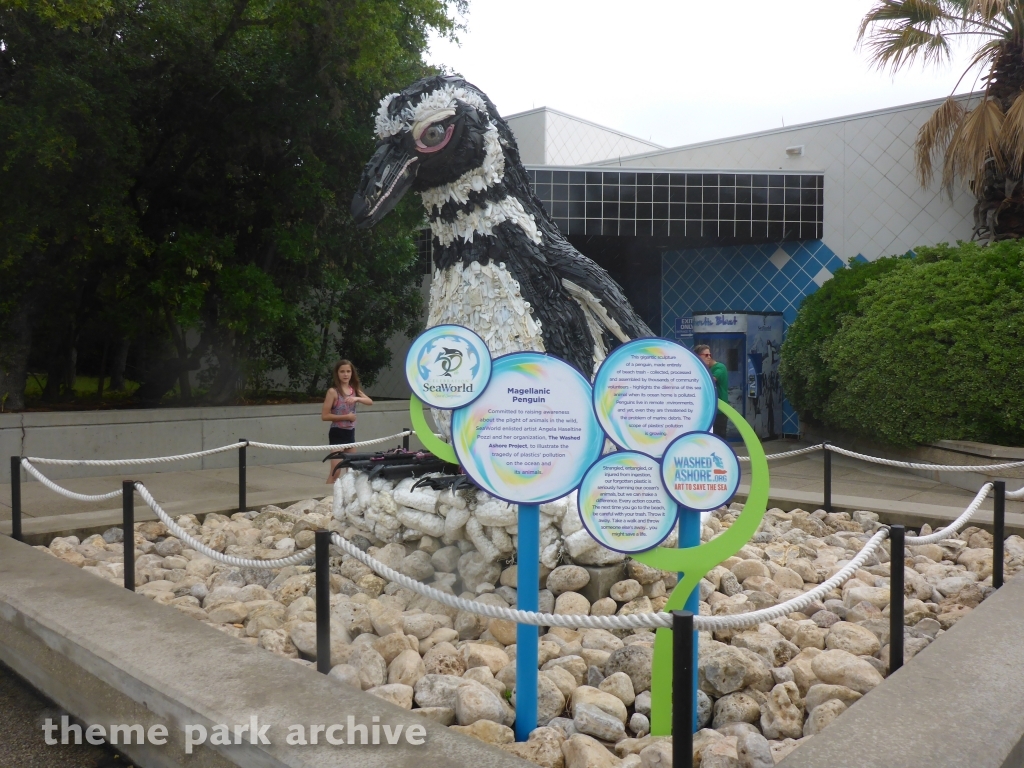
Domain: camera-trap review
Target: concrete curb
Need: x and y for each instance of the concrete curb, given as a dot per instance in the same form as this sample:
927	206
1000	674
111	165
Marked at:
908	513
960	702
110	656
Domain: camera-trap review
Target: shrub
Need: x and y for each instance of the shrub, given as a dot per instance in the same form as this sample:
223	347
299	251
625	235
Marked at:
806	379
931	350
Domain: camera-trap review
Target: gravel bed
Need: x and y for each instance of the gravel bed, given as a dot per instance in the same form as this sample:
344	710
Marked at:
763	690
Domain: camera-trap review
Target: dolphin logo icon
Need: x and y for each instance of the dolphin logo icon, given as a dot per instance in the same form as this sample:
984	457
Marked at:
450	359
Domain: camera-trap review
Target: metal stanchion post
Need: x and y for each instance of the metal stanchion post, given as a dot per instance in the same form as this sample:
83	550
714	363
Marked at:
897	537
241	474
827	503
323	601
405	439
128	527
682	689
16	498
999	531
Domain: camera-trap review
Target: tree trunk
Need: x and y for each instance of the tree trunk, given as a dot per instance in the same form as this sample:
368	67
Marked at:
181	347
103	369
15	344
228	381
119	363
999	212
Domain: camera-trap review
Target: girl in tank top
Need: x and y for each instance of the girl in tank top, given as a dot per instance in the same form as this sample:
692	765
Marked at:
340	408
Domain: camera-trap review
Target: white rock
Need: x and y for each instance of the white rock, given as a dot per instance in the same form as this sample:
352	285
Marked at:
474	701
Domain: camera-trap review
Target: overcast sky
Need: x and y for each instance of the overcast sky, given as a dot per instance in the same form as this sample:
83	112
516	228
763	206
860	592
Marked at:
678	71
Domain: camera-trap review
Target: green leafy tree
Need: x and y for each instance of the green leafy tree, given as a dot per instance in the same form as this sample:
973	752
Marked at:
230	137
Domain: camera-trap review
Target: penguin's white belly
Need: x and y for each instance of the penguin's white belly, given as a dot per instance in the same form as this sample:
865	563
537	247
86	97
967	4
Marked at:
486	299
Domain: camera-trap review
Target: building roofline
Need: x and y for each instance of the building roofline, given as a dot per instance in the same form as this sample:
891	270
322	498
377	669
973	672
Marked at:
653	169
787	129
586	122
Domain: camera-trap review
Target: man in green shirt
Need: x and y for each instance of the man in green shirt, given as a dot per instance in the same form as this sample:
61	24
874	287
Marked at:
721	378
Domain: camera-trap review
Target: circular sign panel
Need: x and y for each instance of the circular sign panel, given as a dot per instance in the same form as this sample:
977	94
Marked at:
532	434
448	366
701	471
623	504
650	391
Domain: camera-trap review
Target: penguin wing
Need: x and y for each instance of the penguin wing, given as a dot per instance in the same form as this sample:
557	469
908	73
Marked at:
596	292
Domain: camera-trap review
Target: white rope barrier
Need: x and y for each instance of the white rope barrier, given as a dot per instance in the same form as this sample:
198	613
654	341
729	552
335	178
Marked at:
632	621
894	463
785	454
239	562
920	465
134	462
64	491
797	604
319	448
953	528
210	452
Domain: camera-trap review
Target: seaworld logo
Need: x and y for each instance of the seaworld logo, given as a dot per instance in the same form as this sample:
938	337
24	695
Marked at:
450	360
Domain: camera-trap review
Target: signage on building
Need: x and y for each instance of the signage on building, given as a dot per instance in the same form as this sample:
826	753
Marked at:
724	322
684	329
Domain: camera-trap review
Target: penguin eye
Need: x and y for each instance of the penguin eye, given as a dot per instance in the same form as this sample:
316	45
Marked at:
433	138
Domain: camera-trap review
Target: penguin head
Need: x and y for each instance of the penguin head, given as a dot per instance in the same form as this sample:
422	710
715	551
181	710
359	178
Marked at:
436	132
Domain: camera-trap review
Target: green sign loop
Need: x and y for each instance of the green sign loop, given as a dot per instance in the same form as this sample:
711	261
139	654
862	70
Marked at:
430	441
695	562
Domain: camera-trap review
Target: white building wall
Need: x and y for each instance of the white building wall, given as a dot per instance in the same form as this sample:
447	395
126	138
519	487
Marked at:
548	137
530	130
874	205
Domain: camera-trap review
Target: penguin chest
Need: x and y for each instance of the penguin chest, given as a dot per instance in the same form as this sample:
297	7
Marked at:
485	298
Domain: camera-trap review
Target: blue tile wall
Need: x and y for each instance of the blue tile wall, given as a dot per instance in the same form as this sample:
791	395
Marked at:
771	277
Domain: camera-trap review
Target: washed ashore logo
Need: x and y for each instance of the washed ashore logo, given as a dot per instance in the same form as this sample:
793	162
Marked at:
448	366
700	471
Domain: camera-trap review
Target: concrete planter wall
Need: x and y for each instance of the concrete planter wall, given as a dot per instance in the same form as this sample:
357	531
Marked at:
949	452
168	431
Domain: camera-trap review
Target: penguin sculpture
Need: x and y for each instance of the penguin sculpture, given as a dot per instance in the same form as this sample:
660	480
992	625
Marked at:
502	267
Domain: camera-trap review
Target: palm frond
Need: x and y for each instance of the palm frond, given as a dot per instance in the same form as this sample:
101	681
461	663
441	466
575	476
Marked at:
897	48
989	9
925	12
975	143
986	55
934	136
1013	135
897	31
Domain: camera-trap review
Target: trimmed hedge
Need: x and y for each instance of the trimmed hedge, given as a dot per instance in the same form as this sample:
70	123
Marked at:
914	350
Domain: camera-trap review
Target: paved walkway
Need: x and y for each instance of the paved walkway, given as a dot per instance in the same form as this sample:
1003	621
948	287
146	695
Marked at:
22	712
899	496
196	491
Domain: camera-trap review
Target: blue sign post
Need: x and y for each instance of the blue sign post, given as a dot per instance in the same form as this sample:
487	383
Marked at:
528	440
527	591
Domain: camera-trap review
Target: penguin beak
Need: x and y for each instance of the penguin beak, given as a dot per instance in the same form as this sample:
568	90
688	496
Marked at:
386	178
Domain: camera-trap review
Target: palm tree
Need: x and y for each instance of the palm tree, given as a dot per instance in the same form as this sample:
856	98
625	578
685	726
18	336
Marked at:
982	145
